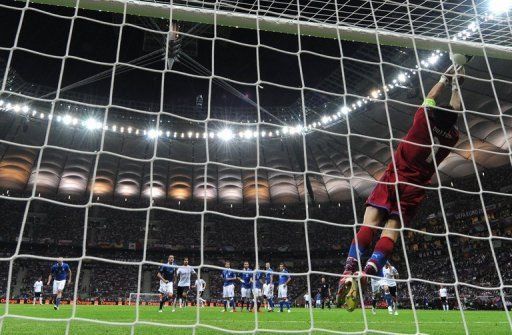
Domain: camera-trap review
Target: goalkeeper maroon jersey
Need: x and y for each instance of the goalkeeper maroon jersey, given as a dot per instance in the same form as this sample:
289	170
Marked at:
414	162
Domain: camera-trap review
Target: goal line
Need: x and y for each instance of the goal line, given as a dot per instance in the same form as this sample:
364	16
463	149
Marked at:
289	25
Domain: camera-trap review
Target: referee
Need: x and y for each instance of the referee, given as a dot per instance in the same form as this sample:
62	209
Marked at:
325	292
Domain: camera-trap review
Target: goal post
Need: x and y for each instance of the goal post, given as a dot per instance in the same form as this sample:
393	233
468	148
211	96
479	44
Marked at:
208	13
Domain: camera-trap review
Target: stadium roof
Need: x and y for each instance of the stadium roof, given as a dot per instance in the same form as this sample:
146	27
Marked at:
178	163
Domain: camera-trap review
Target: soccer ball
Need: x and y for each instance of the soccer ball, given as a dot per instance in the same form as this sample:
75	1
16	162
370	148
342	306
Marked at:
459	59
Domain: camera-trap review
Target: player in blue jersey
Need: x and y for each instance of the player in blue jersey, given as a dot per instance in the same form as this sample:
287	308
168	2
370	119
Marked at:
228	290
59	272
166	274
245	278
268	287
257	286
282	290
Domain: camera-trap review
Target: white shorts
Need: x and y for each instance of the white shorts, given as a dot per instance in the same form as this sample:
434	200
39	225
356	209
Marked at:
246	292
268	290
376	285
165	288
282	291
228	291
388	283
58	285
256	292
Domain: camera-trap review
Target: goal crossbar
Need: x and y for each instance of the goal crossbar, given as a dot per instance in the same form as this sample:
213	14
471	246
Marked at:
284	25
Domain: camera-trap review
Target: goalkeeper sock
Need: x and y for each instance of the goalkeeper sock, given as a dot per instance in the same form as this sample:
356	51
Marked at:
364	238
381	253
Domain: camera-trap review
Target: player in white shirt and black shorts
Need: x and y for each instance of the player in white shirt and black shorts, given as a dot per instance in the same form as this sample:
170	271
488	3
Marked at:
38	291
200	286
376	284
389	276
443	294
184	275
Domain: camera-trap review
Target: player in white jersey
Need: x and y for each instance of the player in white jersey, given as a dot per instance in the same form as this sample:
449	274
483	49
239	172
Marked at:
200	286
376	284
307	300
38	291
443	294
268	288
184	274
389	276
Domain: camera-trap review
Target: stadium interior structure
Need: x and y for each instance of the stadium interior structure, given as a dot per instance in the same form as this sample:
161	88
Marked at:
131	162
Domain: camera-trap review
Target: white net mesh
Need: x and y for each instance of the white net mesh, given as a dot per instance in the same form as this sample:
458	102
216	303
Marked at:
144	298
125	138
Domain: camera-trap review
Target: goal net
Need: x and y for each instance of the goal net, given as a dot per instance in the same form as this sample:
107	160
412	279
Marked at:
143	298
254	130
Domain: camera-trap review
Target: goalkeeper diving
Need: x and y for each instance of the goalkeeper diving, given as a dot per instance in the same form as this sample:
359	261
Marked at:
428	142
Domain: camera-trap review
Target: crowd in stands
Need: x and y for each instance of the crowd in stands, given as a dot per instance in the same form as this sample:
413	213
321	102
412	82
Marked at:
450	240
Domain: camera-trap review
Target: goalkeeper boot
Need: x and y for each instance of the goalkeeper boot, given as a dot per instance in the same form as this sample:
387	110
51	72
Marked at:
343	287
352	296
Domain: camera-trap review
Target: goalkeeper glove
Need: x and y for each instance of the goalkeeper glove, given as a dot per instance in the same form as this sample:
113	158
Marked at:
443	80
459	77
446	75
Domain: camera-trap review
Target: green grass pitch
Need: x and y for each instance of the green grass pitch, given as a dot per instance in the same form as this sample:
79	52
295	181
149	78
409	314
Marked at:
324	321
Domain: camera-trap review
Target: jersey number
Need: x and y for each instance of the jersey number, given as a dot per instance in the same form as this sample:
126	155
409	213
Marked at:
434	150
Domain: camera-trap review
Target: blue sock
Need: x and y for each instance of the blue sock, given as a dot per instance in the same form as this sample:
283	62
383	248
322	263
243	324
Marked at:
232	303
57	302
225	304
271	303
354	251
281	305
288	305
